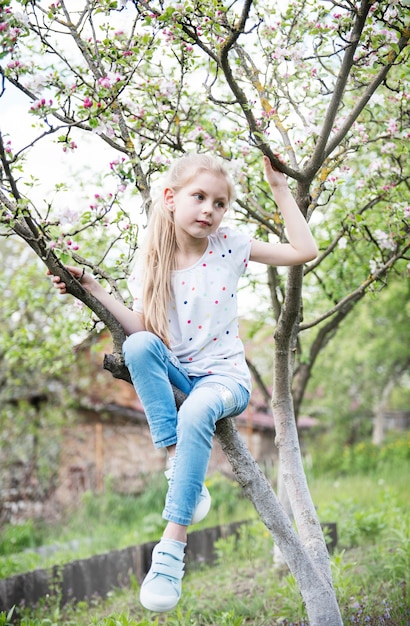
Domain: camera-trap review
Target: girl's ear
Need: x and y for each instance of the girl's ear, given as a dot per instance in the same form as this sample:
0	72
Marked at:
169	198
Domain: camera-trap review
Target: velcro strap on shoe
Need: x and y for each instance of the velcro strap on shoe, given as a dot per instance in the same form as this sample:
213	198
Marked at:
169	571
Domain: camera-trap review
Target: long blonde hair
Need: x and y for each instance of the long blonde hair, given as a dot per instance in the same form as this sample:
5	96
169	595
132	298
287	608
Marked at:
159	246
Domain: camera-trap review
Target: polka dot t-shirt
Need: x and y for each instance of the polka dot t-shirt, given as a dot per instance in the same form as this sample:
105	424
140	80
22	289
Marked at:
203	317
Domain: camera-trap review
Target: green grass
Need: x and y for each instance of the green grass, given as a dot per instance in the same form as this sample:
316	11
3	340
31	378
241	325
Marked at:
371	565
109	521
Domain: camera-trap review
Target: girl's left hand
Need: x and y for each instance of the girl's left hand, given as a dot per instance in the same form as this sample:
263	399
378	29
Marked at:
86	280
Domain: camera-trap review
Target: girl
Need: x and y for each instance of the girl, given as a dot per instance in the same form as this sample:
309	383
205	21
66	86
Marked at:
183	331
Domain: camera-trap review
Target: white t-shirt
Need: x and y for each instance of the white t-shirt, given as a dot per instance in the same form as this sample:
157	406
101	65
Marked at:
203	316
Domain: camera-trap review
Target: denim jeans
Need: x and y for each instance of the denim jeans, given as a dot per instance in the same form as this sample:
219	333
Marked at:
154	369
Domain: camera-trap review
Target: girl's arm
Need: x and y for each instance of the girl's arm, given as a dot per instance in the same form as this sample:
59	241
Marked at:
131	321
301	246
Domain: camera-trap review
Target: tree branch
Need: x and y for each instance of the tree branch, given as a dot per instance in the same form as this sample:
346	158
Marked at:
359	292
242	100
354	114
318	155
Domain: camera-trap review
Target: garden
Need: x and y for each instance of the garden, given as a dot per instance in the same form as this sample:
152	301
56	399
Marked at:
366	493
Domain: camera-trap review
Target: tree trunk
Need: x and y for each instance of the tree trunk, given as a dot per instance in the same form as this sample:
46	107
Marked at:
290	458
379	431
279	562
314	584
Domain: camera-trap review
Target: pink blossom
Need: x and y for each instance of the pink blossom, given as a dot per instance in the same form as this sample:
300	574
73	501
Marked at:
392	126
105	82
40	104
3	26
14	64
388	147
269	113
70	146
87	103
116	162
14	32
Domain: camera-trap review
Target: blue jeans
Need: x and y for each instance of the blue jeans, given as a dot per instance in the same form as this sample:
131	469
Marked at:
154	369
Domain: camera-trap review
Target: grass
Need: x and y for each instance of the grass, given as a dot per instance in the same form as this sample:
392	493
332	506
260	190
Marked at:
117	521
370	567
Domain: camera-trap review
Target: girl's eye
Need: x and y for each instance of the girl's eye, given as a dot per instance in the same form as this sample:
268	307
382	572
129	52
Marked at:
220	205
198	196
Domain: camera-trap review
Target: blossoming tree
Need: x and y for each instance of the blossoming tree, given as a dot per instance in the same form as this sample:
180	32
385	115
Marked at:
320	83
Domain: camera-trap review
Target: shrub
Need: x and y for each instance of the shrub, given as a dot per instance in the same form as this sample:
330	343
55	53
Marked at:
363	457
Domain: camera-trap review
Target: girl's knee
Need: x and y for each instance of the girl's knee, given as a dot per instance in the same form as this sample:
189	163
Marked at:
139	344
199	412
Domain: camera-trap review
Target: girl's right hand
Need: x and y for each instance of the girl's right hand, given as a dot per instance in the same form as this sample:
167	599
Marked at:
78	272
275	178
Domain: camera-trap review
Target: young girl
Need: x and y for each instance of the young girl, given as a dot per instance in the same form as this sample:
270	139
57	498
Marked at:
183	331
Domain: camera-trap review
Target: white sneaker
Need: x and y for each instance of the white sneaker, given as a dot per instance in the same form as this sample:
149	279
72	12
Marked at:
161	588
204	501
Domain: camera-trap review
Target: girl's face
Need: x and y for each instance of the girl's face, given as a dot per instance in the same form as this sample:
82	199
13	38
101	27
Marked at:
199	206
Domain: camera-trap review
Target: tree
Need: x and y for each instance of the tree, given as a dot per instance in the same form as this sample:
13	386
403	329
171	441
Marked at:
312	81
371	356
